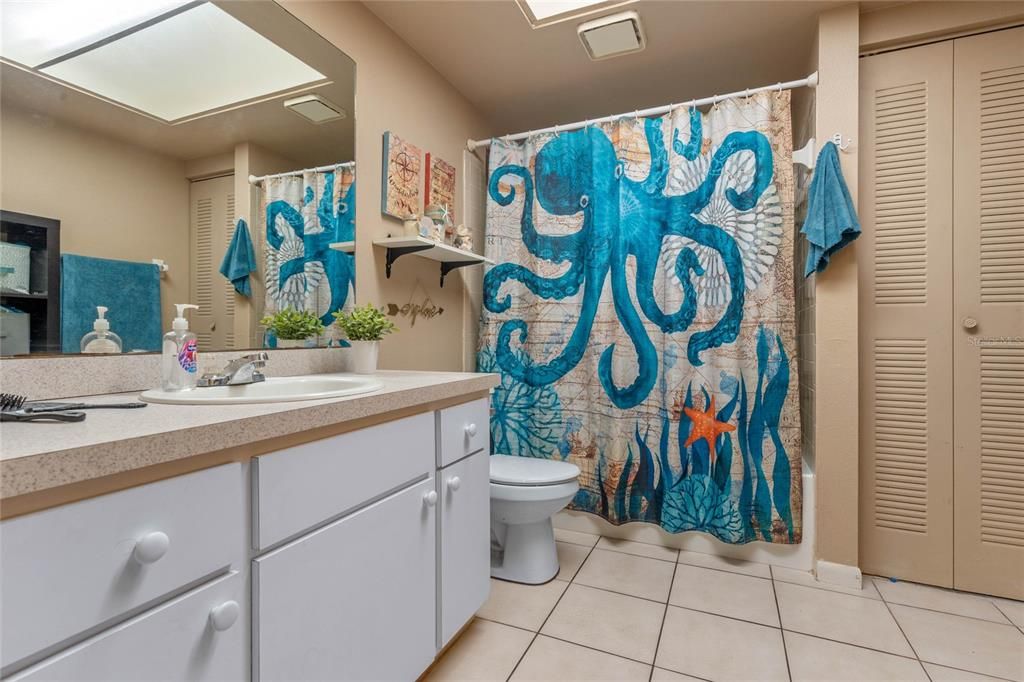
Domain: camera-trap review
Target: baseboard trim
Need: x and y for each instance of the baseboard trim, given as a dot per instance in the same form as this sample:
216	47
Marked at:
842	575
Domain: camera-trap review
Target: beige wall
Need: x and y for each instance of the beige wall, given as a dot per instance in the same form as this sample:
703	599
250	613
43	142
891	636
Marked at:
113	200
398	90
923	21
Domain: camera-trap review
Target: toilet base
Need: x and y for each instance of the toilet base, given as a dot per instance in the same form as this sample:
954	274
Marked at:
528	554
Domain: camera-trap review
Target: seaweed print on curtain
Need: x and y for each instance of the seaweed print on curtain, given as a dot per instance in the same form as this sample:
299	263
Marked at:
641	316
304	216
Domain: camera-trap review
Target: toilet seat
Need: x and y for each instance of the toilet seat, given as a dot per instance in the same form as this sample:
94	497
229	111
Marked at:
531	471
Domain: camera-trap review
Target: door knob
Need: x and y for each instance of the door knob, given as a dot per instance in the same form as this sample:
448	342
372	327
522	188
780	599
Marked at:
430	498
224	616
454	483
470	430
151	547
970	323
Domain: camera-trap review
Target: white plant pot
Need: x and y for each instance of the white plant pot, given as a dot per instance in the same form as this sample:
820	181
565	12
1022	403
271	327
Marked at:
363	356
292	343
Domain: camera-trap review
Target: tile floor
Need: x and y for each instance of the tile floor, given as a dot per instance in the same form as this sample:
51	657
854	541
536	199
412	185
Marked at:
624	611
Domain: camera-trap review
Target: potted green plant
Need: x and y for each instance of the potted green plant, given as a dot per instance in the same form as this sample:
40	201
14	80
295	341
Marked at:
364	328
294	328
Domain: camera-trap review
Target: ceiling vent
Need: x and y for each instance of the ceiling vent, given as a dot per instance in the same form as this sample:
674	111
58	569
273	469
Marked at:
315	108
613	35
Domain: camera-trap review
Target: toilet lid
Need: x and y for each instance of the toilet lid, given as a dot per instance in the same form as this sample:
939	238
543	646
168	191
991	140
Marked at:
531	471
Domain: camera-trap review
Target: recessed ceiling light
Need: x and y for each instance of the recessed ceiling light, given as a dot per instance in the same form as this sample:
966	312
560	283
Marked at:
195	62
613	35
545	12
33	33
315	108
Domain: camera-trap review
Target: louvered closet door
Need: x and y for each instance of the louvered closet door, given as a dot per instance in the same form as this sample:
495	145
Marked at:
988	397
212	225
905	266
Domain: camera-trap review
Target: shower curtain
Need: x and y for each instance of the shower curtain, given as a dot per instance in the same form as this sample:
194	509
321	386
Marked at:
641	316
304	214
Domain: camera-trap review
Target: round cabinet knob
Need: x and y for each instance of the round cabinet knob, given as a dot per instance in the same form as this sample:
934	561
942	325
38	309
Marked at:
430	498
151	547
454	483
224	616
470	430
970	323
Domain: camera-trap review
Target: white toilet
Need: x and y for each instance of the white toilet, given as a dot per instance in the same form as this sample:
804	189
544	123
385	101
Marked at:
525	493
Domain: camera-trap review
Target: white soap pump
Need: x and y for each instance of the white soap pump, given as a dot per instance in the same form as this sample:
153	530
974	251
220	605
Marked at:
180	354
101	339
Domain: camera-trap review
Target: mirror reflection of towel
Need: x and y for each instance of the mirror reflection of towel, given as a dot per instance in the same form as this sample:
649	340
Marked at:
240	259
831	220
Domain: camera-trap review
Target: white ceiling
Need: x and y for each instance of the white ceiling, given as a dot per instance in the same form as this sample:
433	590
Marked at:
523	78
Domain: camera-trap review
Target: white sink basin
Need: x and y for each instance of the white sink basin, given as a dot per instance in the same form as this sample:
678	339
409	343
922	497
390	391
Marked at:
273	390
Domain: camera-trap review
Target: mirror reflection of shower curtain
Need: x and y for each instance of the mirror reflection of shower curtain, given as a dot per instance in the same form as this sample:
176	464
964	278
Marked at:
642	319
304	215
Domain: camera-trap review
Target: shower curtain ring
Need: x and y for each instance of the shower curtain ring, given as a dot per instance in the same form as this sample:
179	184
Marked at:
779	86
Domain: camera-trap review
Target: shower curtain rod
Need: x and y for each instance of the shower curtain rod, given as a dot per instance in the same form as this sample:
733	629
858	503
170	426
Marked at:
810	82
254	180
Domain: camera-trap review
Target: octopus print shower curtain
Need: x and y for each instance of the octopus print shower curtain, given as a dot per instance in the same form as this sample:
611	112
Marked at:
305	214
641	316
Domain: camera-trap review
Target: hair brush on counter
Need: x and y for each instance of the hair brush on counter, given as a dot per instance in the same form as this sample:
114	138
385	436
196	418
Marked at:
12	409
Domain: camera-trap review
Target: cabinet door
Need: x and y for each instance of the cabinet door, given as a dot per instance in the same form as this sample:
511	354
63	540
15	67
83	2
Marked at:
464	489
354	600
177	640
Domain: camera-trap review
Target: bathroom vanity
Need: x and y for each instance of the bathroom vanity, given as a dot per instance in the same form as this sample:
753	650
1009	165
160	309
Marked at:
354	549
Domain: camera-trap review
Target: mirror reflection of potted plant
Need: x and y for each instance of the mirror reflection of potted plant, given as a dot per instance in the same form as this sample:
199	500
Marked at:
364	328
294	328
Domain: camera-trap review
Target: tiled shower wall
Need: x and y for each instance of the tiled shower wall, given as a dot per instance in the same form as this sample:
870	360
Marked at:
803	129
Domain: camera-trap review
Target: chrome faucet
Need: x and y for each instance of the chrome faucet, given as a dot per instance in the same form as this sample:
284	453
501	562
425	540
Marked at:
243	370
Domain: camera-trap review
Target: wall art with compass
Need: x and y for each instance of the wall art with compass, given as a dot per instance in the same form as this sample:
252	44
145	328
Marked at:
400	187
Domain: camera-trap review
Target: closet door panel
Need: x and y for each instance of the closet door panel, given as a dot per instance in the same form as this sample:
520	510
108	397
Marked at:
905	260
988	317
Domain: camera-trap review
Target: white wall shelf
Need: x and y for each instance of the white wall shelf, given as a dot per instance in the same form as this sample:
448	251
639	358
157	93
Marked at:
346	247
450	257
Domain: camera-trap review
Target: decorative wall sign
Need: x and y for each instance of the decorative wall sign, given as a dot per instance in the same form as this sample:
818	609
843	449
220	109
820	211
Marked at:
400	186
426	308
440	184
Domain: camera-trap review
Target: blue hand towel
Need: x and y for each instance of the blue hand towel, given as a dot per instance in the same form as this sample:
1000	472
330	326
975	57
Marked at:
831	220
130	290
239	259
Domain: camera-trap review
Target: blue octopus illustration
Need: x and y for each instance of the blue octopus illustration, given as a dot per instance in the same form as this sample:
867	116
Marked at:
579	172
304	265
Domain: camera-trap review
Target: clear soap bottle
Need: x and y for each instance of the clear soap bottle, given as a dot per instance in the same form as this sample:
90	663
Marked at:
101	339
180	361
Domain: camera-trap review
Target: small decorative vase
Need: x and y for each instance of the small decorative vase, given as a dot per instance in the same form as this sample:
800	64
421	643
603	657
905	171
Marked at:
363	356
292	343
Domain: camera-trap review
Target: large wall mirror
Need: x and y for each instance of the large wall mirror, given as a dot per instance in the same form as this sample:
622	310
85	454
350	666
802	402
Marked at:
145	147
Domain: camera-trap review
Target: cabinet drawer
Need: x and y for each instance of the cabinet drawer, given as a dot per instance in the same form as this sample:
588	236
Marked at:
300	487
68	569
174	641
354	600
463	430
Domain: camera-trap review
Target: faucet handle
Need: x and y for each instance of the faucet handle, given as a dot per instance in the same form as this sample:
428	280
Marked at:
257	359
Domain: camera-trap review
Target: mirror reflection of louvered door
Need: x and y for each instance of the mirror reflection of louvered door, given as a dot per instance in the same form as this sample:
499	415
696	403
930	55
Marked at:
941	270
905	262
212	224
988	316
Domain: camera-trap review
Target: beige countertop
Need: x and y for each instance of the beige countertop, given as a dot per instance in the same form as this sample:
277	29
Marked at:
36	457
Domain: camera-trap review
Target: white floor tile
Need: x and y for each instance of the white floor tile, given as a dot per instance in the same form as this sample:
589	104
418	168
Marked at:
638	548
938	599
1012	609
965	643
939	673
842	617
485	651
727	594
620	625
790	575
557	661
662	675
813	659
570	558
633	575
524	606
724	563
717	648
576	537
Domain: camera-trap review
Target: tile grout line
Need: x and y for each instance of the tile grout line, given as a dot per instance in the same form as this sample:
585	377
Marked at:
555	606
1007	616
900	627
664	615
782	631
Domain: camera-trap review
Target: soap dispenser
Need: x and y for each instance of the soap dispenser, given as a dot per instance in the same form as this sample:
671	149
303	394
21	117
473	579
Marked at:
101	339
180	354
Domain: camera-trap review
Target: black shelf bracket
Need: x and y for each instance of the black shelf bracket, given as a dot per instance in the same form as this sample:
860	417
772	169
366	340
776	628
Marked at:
396	252
447	267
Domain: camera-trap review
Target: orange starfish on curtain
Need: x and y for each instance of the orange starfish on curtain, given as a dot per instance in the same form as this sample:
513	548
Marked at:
707	427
